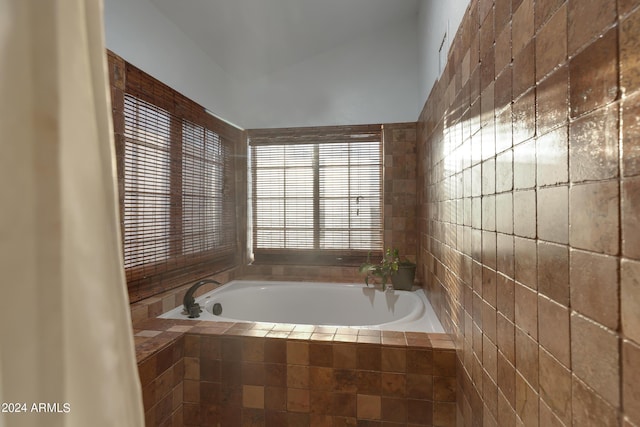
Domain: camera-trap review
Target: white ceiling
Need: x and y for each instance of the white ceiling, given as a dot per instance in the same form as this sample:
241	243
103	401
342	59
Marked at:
254	38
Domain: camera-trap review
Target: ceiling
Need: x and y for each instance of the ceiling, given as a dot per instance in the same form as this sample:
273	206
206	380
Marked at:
254	38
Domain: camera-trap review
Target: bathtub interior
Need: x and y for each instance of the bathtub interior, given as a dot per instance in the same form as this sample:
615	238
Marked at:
317	303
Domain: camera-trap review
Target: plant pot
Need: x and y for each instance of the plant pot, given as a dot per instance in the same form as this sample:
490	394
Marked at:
403	278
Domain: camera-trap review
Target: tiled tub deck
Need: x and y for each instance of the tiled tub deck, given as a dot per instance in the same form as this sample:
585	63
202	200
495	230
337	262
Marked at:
259	374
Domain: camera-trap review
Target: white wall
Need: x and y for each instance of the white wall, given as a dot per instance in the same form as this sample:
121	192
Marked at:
372	79
139	33
436	18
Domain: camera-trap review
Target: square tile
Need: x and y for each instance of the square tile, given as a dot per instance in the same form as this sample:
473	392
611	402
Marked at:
504	129
321	378
588	408
631	135
393	359
419	361
630	297
394	384
554	329
503	90
629	56
419	411
593	142
593	218
545	9
488	175
369	407
630	223
551	41
631	380
526	401
553	271
345	404
297	400
297	352
524	165
595	357
526	260
587	19
553	214
444	363
527	358
275	398
502	14
368	357
297	376
344	356
524	117
555	386
593	75
489	359
524	69
552	157
524	214
594	280
394	410
522	26
506	296
253	396
417	386
506	380
526	310
487	70
504	213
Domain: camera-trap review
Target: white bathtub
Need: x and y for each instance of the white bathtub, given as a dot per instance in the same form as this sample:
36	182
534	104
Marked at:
322	304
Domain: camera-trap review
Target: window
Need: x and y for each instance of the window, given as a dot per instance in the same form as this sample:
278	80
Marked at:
204	217
179	204
316	194
147	192
177	166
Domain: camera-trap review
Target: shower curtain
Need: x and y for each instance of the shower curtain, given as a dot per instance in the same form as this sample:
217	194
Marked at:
66	345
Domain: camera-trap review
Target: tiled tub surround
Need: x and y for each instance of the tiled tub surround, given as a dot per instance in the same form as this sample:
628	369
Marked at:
529	202
235	374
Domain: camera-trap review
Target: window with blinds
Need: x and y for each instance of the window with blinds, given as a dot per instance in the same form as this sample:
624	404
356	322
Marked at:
179	204
316	194
147	183
205	221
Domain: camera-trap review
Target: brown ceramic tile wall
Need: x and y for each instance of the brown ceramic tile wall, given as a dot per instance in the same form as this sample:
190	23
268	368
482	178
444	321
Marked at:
162	381
400	188
202	373
319	377
528	202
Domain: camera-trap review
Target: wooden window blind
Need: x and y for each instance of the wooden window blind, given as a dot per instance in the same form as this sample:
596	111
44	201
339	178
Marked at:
178	191
316	194
207	206
147	183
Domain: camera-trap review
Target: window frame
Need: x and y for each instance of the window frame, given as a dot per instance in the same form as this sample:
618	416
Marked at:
318	136
178	256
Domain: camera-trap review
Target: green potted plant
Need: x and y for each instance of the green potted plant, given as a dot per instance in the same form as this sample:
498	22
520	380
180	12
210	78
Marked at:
400	271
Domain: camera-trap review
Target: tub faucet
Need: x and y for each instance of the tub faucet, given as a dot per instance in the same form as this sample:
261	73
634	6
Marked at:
191	307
